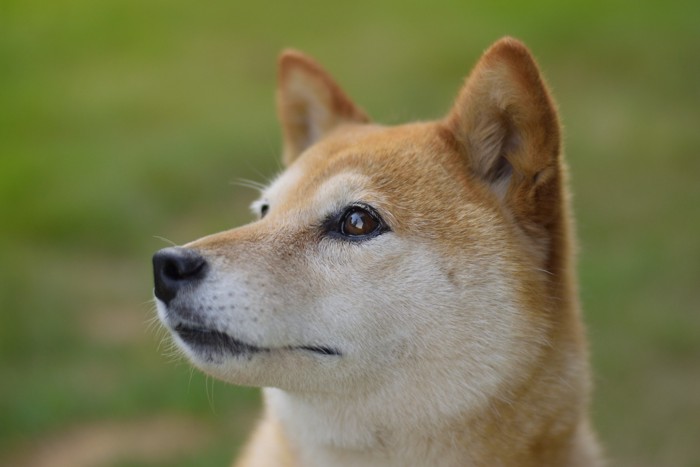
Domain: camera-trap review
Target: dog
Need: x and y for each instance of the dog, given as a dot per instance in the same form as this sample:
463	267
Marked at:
407	296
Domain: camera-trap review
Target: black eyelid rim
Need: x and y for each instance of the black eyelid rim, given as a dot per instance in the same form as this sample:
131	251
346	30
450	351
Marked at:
264	208
330	226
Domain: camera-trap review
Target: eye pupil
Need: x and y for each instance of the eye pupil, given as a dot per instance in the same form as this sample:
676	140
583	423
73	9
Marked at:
358	222
263	210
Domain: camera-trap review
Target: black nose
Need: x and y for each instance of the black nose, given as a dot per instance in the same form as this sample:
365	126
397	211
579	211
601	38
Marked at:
174	268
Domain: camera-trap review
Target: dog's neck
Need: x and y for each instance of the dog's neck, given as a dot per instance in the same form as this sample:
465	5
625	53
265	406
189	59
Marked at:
322	430
326	432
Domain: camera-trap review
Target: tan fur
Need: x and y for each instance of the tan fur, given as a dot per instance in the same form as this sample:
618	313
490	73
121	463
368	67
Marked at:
460	327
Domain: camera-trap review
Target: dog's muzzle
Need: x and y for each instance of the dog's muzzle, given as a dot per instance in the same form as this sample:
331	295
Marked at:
176	268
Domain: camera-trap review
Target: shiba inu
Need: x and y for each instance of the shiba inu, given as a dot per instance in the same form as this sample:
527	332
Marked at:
407	296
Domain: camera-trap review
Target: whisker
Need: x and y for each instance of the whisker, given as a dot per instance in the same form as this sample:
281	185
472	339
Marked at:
544	271
163	239
173	354
153	326
268	176
209	388
189	383
149	303
260	187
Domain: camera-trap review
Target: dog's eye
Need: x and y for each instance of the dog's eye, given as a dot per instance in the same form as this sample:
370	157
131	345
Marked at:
263	210
358	222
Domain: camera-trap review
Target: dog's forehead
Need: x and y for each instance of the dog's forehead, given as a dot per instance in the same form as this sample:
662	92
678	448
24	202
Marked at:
306	197
369	158
411	174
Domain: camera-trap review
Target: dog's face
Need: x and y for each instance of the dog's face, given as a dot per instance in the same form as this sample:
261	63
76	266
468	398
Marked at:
383	257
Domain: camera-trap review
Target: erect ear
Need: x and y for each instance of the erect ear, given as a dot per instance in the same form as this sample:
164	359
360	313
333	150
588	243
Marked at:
506	124
309	103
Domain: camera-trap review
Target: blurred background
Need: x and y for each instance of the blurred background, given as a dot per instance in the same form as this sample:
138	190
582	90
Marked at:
122	121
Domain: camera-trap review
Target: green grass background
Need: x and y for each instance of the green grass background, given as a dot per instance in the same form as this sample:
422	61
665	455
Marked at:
122	120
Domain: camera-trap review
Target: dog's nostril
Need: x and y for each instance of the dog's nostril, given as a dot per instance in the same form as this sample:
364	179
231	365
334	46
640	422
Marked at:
173	268
170	271
181	268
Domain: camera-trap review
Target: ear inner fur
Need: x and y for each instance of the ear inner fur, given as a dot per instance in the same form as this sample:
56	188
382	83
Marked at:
507	127
310	103
504	110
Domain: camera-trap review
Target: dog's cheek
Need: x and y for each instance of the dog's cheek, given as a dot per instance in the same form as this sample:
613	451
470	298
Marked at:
376	295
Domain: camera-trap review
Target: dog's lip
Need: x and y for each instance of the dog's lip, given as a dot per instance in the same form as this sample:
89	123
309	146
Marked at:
319	349
201	337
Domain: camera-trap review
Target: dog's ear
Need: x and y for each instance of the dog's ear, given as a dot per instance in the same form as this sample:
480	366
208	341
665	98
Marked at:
504	117
309	103
506	125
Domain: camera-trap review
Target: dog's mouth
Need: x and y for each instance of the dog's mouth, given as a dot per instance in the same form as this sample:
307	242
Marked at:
208	340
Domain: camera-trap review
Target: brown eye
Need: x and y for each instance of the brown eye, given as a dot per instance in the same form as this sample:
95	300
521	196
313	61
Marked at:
357	222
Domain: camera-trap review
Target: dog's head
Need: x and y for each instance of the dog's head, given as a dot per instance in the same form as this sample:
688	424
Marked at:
387	257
